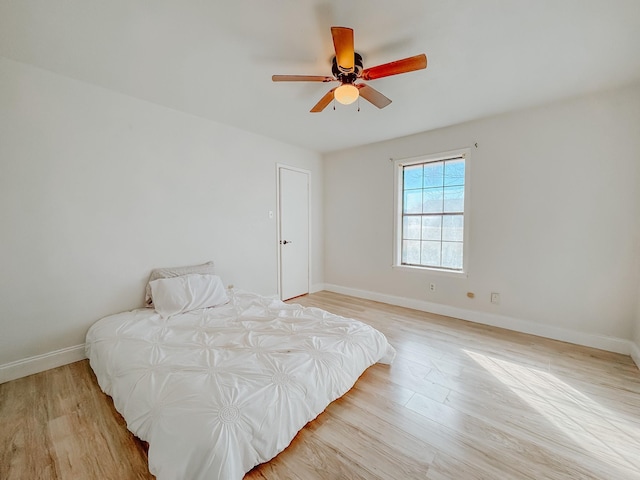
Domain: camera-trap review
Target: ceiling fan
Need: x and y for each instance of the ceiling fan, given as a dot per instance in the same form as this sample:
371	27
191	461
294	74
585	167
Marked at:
347	69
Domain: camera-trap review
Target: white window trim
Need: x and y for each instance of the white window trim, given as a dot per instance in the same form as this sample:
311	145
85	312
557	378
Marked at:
398	164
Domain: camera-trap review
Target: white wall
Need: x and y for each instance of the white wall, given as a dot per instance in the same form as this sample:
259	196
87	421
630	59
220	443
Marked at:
97	188
554	220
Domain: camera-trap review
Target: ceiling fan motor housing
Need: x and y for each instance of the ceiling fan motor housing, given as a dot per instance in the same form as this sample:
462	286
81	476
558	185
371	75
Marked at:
347	77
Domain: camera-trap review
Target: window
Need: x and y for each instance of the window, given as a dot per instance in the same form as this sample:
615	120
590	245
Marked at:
430	213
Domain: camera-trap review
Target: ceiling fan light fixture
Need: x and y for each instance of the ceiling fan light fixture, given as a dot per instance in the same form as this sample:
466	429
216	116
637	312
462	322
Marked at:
346	94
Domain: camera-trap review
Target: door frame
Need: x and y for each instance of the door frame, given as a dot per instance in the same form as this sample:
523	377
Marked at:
280	166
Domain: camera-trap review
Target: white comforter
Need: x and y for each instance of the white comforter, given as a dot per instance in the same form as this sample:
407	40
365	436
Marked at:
217	391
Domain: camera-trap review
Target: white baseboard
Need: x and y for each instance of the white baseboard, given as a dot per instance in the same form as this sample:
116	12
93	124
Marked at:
602	342
40	363
635	353
57	358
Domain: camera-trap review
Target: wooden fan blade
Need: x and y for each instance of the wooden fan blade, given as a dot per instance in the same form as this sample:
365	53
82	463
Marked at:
301	78
343	44
372	95
324	101
394	68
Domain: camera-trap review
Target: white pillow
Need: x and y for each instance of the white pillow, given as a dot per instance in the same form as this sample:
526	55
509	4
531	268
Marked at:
188	292
156	273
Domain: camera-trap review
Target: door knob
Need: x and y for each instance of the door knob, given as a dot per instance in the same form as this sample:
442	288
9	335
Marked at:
284	242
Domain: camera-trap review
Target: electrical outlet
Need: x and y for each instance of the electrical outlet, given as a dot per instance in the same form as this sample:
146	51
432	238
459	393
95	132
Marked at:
495	298
432	287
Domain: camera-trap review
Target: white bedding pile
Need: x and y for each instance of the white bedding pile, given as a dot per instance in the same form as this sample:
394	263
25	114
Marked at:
217	391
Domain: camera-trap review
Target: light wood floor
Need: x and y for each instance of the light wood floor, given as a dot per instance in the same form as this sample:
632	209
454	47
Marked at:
461	401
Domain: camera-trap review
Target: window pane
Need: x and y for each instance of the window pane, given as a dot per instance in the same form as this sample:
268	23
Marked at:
413	177
433	174
432	200
454	173
433	196
412	201
411	252
452	255
431	227
452	228
411	228
431	254
454	199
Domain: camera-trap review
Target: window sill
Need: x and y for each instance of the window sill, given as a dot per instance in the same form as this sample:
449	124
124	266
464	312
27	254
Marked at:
431	270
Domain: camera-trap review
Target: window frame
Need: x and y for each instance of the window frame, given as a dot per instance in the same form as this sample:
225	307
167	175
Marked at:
398	190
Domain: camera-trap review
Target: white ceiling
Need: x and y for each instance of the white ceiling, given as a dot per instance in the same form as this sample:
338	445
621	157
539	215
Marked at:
215	58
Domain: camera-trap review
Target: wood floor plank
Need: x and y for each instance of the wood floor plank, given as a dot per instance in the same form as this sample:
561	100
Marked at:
461	401
377	458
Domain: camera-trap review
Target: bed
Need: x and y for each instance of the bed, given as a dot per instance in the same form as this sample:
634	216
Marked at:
216	391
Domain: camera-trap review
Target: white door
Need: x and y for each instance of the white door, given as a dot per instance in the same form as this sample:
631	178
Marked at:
293	188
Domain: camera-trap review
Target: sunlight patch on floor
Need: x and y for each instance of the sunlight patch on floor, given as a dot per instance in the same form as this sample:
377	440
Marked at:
597	429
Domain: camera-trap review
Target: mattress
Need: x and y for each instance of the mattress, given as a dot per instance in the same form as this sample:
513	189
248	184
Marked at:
217	391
